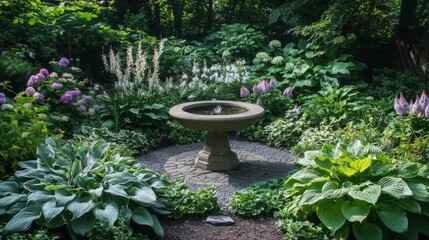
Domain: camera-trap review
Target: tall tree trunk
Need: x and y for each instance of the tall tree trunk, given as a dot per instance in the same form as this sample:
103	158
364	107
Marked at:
407	15
177	6
157	30
209	22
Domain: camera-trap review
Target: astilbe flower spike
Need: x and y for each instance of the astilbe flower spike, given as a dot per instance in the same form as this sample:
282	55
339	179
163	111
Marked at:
288	92
256	89
244	92
427	111
264	86
273	83
424	100
416	107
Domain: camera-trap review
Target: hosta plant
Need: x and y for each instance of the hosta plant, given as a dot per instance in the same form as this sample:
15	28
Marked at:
77	187
358	190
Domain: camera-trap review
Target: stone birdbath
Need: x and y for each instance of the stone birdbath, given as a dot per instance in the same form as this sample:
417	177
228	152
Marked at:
216	117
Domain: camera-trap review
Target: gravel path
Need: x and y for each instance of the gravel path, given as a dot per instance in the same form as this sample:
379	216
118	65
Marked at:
279	162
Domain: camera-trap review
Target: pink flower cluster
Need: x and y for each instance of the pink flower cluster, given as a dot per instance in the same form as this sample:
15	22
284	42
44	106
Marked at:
420	106
40	77
2	98
264	87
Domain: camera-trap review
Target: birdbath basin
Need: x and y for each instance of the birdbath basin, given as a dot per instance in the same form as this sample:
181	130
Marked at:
217	118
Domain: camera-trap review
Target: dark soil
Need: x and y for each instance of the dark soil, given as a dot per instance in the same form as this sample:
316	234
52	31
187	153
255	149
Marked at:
262	228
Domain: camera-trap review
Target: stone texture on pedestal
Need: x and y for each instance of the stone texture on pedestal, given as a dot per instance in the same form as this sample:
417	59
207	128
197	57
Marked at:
250	166
216	162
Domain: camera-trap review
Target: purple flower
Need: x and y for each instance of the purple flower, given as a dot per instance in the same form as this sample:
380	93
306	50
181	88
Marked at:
30	91
74	93
244	92
416	107
82	108
31	81
64	62
256	89
273	83
259	102
288	91
264	86
424	99
66	98
44	71
401	105
2	98
39	96
86	98
40	77
427	111
57	86
29	104
96	107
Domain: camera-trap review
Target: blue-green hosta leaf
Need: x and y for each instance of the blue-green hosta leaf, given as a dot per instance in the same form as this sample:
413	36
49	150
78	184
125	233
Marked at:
157	228
34	185
408	169
56	222
355	211
22	221
40	197
332	189
17	207
76	170
120	178
367	231
97	191
393	217
117	190
142	216
361	165
99	149
395	187
379	168
109	213
31	173
409	205
333	151
63	196
143	195
45	155
28	164
420	191
7	188
50	210
79	207
83	225
11	199
329	212
367	192
323	162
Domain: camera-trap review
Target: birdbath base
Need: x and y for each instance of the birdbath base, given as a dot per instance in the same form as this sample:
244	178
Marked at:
217	154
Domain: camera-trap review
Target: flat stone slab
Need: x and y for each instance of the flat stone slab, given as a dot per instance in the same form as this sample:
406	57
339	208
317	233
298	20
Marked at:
220	220
251	166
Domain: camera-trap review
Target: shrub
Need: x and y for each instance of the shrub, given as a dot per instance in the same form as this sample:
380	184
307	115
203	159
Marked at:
361	190
79	186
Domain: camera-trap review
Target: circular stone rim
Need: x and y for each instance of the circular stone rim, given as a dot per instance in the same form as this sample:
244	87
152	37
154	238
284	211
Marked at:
179	111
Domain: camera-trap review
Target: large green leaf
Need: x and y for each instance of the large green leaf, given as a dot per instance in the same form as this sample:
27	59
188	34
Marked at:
340	67
109	213
393	217
409	205
63	196
367	231
361	164
329	212
346	171
356	210
310	197
79	207
50	210
395	187
420	191
367	192
22	221
40	197
356	148
307	175
142	216
83	225
408	169
332	189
